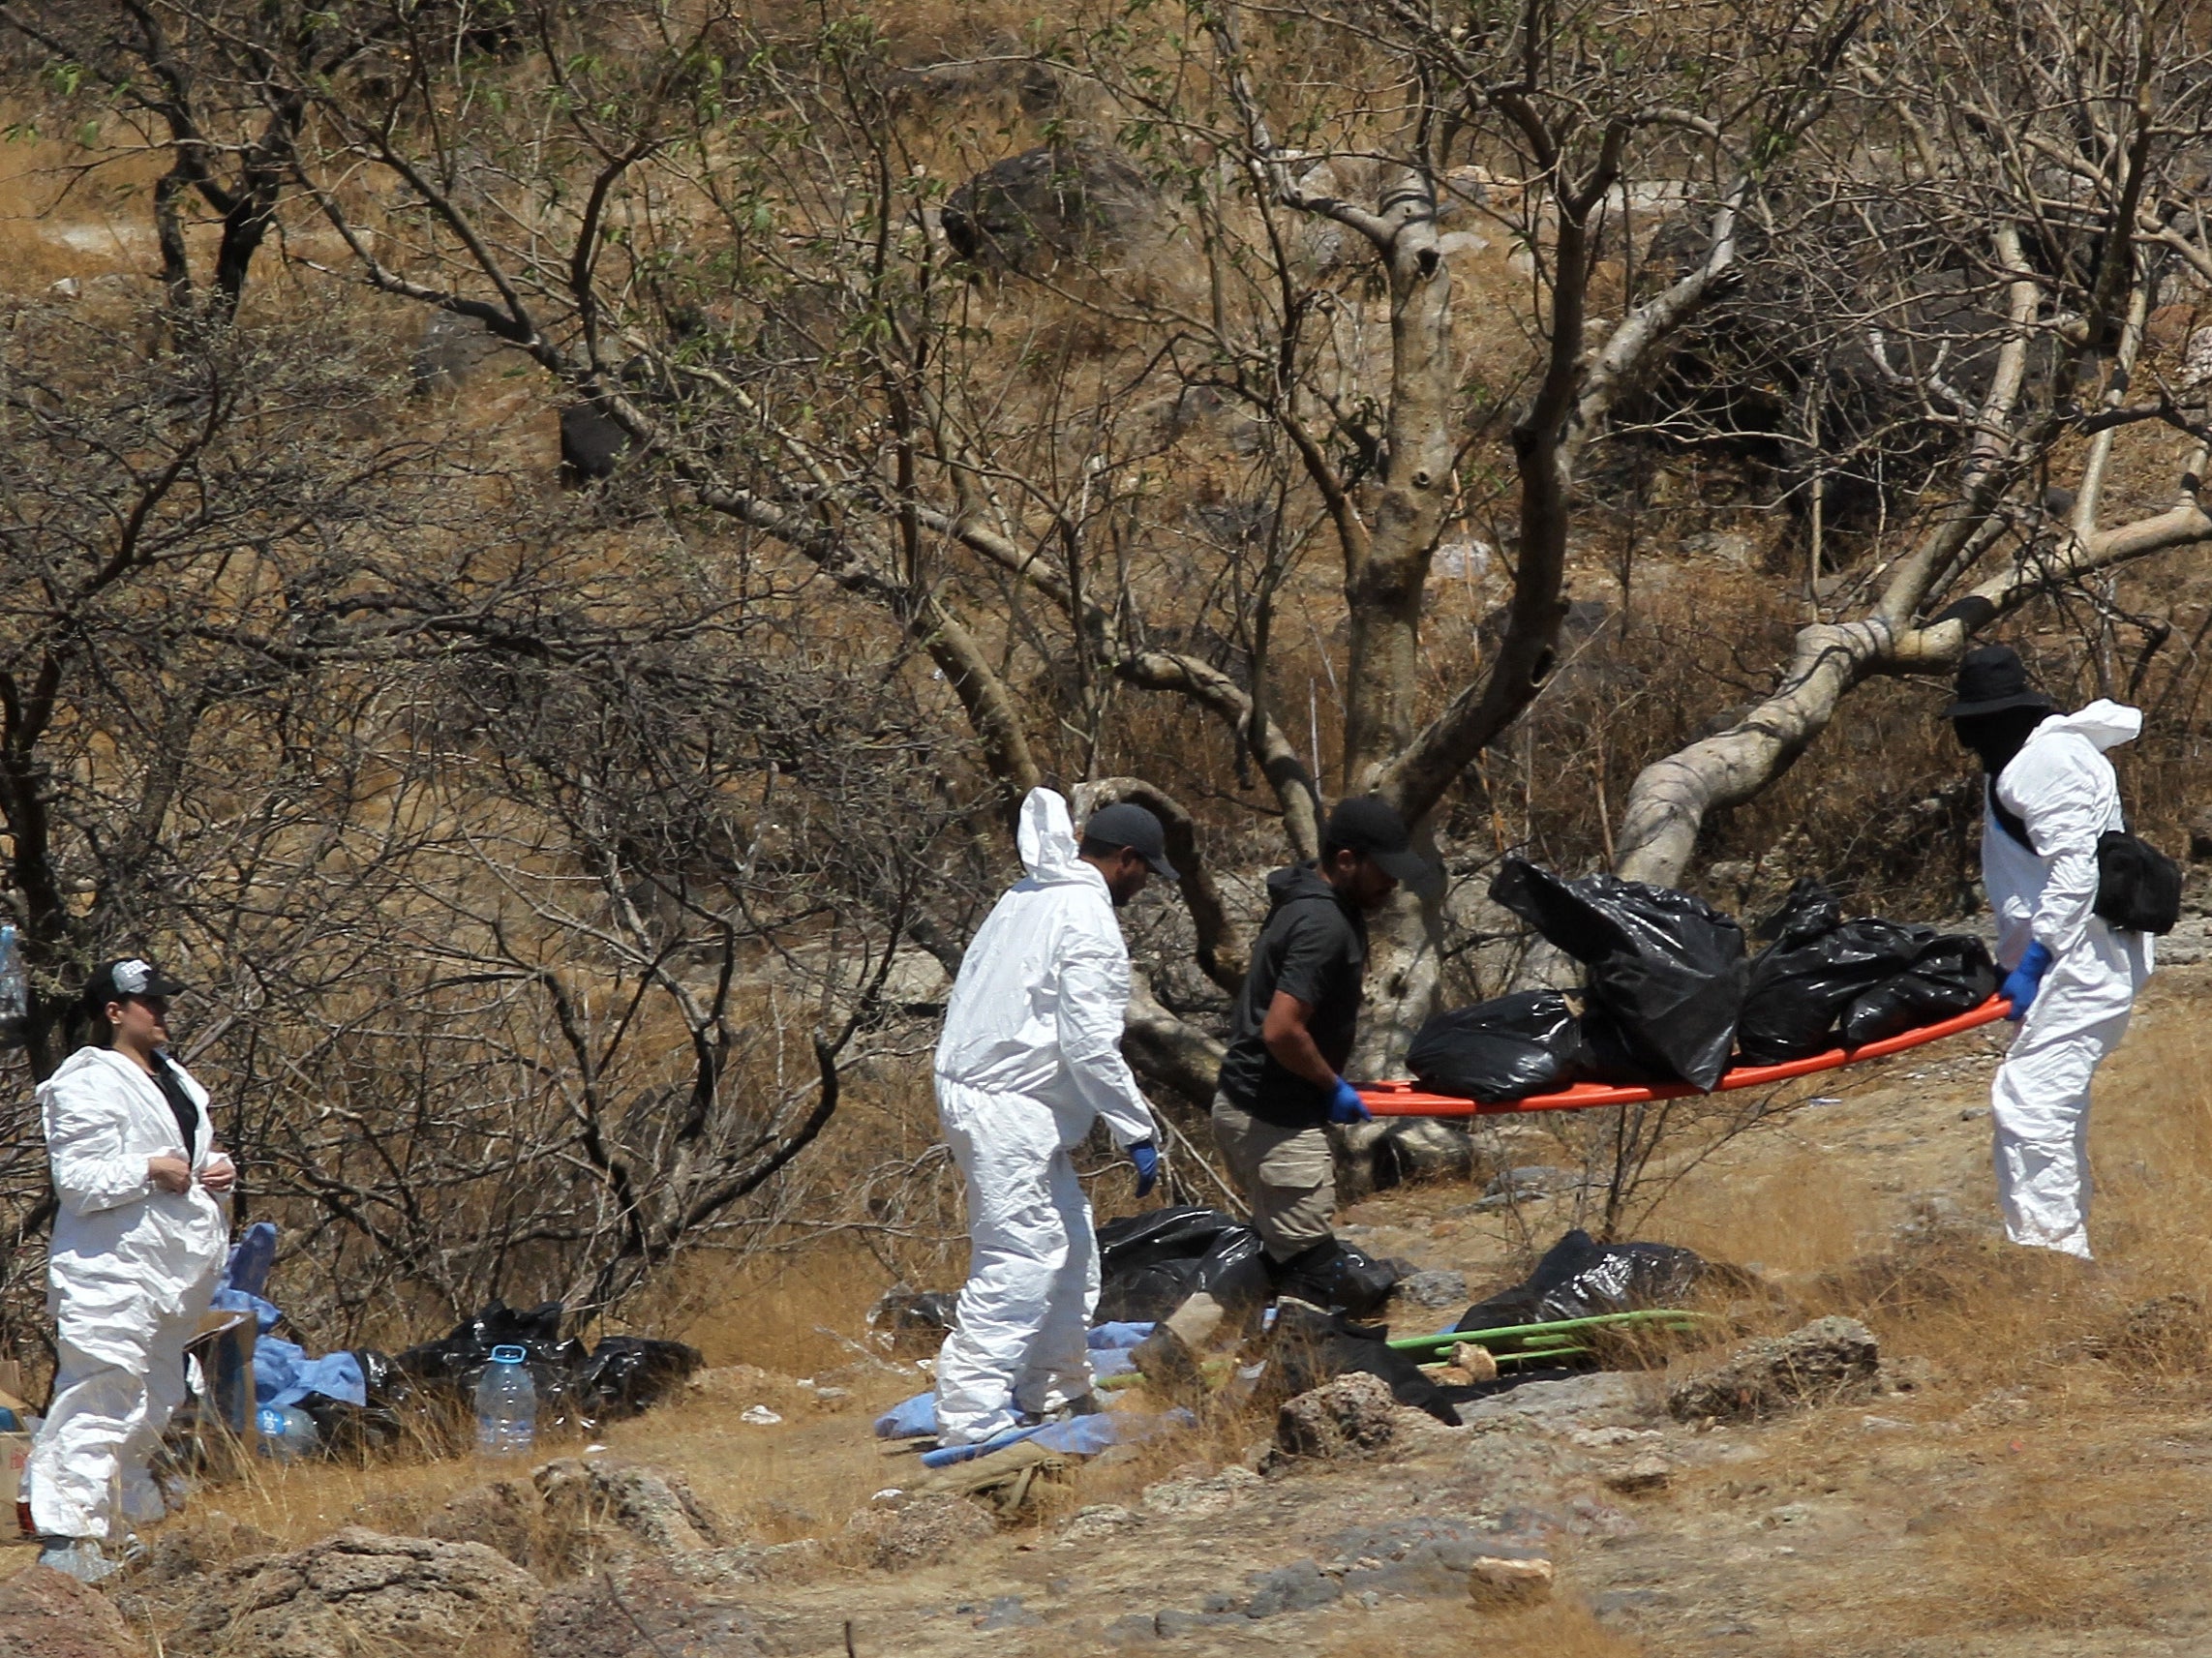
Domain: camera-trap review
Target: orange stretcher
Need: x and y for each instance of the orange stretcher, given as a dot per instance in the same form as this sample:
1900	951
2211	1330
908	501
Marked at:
1409	1100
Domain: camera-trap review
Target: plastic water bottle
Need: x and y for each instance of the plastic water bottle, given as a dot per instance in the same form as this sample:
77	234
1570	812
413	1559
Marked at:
15	987
288	1432
507	1405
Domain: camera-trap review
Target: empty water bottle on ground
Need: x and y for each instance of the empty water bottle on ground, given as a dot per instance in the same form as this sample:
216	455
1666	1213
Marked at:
507	1405
287	1431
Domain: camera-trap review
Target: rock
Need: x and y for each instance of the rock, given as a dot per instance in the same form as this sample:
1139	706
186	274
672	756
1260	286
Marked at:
1505	1580
1291	1588
645	1613
1434	1288
1604	1399
1217	1495
44	1613
1414	1149
363	1591
1095	1520
1029	212
506	1514
921	1532
1648	1473
2200	832
1474	1361
1351	1416
186	1551
628	1503
1827	1359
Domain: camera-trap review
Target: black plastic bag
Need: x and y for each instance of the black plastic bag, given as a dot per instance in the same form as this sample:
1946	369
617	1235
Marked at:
1801	985
1580	1278
1150	1264
628	1376
450	1365
1344	1278
1950	974
1506	1048
384	1422
1669	968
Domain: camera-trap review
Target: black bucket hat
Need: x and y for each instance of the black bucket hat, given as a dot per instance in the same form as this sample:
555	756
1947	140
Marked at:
1992	678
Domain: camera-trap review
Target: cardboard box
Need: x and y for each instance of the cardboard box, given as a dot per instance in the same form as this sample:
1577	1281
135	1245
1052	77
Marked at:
13	1448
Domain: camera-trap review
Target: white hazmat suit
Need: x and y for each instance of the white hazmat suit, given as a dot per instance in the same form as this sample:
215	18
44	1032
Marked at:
2064	791
131	1270
1030	1058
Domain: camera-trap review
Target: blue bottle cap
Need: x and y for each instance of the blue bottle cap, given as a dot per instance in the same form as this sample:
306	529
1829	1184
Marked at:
510	1355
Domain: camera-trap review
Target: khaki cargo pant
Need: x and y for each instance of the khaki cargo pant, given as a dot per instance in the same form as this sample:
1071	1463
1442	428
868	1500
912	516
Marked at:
1288	1175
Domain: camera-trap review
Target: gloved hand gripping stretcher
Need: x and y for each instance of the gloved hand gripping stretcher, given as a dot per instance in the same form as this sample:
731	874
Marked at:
1410	1099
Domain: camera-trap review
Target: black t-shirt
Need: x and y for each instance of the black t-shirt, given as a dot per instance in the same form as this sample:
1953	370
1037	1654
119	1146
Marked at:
1313	947
181	1102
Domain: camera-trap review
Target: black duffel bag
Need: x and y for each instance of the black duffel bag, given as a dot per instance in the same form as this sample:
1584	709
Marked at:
2138	888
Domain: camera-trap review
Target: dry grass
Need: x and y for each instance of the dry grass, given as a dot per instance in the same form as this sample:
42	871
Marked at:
1563	1629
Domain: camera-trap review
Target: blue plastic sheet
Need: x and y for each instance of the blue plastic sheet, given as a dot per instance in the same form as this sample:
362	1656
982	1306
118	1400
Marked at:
1108	1345
1077	1436
284	1375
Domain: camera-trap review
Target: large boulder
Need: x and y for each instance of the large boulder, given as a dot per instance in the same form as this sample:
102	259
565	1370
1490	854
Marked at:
362	1591
1826	1360
47	1615
1070	202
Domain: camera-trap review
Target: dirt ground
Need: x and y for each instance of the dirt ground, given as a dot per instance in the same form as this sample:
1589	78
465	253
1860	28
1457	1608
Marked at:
2033	1484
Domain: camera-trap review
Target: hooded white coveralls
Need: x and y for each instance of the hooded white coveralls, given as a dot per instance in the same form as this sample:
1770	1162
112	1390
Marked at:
131	1269
1030	1058
2062	789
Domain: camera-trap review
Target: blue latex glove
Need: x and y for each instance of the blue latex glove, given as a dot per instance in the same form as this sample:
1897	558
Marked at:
1146	1156
2024	981
1346	1107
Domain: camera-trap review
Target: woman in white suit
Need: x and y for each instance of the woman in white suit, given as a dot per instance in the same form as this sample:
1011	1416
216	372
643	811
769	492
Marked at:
138	1242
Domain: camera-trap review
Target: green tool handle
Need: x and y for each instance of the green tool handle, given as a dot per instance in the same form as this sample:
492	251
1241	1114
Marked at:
1520	1335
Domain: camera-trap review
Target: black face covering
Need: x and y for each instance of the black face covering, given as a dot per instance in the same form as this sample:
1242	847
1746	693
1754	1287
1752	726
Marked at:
1996	738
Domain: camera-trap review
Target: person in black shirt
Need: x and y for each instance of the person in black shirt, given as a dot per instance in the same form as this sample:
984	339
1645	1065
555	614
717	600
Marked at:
1282	1080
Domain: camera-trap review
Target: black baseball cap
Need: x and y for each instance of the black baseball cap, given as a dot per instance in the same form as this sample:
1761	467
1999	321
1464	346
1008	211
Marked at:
1127	823
126	976
1373	827
1992	678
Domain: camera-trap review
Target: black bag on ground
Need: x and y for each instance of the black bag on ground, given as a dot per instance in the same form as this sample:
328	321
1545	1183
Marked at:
1150	1264
1580	1278
628	1376
1952	974
1819	964
1506	1048
1668	967
2138	888
383	1424
1338	1275
451	1365
1307	1348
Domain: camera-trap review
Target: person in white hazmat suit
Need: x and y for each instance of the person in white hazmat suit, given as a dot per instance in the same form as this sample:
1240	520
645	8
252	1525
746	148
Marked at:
138	1242
1029	1059
2070	976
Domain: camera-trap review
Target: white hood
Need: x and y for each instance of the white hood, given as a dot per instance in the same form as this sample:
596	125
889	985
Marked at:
1046	839
2103	722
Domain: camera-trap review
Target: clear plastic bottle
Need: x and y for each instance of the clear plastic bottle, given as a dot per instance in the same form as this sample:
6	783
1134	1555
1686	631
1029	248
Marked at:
286	1433
15	987
507	1405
